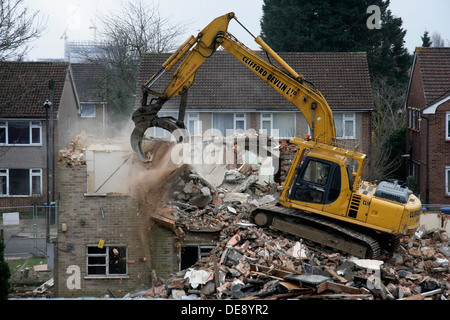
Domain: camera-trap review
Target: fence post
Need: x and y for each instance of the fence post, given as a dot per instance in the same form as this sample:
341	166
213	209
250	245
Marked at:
35	229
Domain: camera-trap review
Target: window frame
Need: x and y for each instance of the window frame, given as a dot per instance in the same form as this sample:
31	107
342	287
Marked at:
414	118
106	255
447	181
32	172
345	118
4	127
193	117
270	117
236	117
32	125
447	125
239	116
202	251
5	173
35	172
90	105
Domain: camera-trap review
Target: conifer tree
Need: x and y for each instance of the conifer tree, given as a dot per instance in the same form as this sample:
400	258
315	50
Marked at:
426	40
5	273
344	26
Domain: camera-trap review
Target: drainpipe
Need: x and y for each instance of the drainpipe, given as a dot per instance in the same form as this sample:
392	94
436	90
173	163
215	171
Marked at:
427	179
47	106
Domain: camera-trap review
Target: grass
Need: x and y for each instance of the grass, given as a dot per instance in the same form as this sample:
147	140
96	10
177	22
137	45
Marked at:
19	264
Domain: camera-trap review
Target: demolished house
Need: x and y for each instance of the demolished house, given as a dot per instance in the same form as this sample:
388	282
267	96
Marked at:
180	230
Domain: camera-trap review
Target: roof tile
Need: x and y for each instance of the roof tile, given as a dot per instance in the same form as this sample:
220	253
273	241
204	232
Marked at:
434	63
24	87
223	83
90	81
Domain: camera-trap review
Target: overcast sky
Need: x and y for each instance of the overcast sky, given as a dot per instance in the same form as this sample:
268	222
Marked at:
75	19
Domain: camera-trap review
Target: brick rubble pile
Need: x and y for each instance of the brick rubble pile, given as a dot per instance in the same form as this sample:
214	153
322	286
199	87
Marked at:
249	262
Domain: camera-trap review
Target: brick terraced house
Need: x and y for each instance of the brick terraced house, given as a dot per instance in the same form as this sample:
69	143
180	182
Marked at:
428	134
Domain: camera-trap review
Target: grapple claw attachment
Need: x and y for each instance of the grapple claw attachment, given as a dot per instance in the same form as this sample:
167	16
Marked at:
178	131
136	138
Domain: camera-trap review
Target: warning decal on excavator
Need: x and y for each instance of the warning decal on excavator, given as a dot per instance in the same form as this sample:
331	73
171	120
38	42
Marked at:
188	73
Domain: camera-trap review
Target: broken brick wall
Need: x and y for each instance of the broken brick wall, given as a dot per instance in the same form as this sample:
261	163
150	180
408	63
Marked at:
165	251
287	154
113	218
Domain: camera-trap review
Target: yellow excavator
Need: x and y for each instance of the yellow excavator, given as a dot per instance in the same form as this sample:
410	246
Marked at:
324	199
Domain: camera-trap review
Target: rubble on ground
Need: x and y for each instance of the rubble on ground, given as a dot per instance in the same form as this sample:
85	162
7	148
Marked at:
34	282
253	263
249	262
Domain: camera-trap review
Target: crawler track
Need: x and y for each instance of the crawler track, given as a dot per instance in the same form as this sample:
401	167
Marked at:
318	229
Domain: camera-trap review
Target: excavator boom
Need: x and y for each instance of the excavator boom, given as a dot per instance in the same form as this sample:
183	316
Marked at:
196	50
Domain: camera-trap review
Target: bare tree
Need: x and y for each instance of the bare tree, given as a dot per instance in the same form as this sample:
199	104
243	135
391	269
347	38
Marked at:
18	27
388	118
437	40
140	27
125	35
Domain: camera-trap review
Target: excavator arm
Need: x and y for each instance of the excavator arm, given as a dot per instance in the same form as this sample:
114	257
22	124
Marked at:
196	50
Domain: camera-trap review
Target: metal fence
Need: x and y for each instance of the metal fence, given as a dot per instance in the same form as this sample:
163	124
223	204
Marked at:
28	229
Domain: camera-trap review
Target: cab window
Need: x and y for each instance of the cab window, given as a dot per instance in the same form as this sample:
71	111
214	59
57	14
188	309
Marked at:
318	182
317	172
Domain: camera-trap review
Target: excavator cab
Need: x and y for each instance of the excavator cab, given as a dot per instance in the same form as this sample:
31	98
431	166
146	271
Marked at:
318	181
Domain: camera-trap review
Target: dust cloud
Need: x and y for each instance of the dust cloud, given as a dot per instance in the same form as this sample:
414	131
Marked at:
149	182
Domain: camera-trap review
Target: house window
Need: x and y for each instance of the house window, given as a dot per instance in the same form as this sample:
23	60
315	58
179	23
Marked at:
228	123
36	181
21	132
414	116
3	129
192	123
88	110
191	254
447	126
35	129
106	261
283	122
447	181
3	182
20	182
239	121
266	123
345	125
